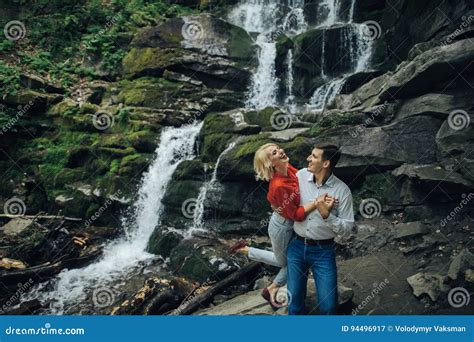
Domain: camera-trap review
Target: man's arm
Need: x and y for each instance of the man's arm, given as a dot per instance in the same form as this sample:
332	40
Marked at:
343	223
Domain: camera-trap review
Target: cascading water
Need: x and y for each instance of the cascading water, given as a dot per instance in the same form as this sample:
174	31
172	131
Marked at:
67	292
198	219
290	98
357	52
263	17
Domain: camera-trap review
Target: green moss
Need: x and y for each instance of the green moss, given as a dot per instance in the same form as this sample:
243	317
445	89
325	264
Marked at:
142	61
217	123
378	186
333	121
261	118
213	145
147	91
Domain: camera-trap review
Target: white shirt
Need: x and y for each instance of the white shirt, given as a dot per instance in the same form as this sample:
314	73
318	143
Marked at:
341	218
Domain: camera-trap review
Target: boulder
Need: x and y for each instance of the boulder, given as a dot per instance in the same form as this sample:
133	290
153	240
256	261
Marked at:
203	260
16	226
252	303
428	72
434	178
431	284
31	101
460	264
410	230
204	33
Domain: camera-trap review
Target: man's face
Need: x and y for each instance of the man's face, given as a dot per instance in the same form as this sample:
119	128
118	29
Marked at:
315	161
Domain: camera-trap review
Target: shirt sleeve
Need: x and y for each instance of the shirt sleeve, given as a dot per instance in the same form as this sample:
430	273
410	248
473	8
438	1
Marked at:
343	223
289	206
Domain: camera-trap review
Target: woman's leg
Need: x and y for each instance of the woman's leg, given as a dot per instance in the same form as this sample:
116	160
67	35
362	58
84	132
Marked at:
280	239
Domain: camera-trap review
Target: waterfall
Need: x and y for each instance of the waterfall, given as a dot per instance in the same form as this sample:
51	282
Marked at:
290	98
198	219
263	17
264	87
353	43
71	288
325	94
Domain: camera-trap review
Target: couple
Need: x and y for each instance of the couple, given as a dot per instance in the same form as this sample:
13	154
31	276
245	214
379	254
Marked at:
311	206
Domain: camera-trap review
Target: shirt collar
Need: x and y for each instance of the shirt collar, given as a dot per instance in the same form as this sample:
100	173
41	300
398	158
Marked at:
329	182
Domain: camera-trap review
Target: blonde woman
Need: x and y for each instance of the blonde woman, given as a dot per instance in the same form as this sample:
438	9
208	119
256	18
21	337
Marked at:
271	164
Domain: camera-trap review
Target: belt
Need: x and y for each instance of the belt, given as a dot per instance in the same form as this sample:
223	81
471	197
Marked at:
310	242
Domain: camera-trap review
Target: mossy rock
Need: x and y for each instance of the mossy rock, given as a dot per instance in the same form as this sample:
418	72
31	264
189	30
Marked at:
117	152
143	141
134	165
335	120
147	92
213	145
150	61
178	191
384	187
201	260
262	118
191	170
162	243
217	123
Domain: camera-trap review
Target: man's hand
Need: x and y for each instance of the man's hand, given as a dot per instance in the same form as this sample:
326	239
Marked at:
325	203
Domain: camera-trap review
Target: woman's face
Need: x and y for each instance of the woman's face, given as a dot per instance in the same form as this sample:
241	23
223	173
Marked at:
277	156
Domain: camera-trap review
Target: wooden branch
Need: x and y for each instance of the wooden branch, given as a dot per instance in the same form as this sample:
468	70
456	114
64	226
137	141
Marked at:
204	298
54	217
10	277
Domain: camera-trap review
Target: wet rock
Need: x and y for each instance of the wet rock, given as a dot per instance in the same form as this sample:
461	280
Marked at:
410	230
287	134
32	81
431	284
434	178
16	226
202	260
460	264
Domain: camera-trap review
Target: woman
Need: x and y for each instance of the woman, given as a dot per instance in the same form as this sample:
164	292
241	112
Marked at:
272	165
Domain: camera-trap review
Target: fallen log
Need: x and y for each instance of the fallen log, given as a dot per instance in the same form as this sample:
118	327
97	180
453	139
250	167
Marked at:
40	272
202	299
53	217
155	297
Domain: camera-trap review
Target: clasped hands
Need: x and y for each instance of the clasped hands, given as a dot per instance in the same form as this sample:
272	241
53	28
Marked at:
325	203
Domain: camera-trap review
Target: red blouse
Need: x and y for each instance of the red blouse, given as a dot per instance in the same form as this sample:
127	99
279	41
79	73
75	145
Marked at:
284	192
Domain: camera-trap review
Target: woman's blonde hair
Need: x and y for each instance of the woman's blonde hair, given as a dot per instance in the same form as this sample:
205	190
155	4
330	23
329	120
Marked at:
262	164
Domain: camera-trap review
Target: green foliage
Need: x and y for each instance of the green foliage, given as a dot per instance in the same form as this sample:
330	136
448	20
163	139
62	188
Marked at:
10	79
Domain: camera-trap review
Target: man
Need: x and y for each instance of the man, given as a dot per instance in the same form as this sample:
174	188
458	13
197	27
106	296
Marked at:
313	245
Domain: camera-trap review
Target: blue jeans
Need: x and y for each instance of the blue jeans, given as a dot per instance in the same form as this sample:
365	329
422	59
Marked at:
322	261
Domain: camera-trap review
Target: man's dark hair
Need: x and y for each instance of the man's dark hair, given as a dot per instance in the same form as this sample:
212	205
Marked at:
331	153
